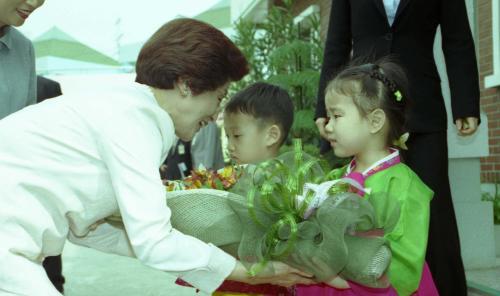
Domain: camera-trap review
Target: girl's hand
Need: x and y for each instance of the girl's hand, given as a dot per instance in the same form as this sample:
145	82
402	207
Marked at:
338	282
335	281
321	123
275	273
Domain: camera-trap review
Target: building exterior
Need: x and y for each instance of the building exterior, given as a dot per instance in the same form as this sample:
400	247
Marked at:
488	44
59	53
219	16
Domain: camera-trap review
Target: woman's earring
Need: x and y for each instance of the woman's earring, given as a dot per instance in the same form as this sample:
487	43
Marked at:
185	91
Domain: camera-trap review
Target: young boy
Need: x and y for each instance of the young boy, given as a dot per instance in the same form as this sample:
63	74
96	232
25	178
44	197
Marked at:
257	121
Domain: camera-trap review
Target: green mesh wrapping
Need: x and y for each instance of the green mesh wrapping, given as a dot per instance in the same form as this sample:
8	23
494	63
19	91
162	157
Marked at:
266	224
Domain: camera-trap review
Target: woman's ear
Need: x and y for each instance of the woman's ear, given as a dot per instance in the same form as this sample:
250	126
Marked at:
376	119
273	135
183	87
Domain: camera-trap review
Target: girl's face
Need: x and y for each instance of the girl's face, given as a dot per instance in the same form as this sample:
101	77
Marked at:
347	130
247	139
15	12
191	113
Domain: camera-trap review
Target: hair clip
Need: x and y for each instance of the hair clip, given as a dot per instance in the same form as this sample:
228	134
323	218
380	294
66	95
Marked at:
398	95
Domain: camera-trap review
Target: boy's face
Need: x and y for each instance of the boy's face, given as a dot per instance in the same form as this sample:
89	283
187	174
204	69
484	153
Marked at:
248	139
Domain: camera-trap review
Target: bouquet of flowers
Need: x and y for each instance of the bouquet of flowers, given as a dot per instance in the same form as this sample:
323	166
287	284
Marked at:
289	210
222	179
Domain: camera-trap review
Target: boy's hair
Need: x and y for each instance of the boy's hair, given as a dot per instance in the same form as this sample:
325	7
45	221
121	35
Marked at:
382	84
192	50
266	102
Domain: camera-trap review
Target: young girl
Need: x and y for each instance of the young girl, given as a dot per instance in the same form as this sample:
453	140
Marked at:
366	107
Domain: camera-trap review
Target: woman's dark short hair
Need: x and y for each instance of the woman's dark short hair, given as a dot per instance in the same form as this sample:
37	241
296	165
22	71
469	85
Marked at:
266	102
191	50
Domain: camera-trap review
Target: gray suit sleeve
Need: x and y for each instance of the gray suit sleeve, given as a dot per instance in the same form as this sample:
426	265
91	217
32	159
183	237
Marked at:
32	79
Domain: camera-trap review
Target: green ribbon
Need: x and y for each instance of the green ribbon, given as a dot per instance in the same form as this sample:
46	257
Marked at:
279	186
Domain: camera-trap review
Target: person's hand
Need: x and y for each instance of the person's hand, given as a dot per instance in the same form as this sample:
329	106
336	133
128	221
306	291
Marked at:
275	273
335	281
321	123
467	126
338	282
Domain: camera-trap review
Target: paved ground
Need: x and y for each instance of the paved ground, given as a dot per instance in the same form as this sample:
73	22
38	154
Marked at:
486	279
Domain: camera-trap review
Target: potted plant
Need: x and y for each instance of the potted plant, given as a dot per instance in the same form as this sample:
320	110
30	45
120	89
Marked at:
494	197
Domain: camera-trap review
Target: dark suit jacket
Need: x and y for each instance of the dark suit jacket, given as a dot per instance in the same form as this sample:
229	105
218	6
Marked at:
47	88
362	26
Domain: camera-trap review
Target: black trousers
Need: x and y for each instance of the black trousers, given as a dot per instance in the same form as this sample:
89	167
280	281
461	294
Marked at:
427	156
53	268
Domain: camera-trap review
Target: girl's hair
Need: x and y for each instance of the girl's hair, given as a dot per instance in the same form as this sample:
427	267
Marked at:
382	84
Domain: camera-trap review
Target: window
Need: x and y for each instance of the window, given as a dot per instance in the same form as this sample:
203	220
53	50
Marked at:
493	80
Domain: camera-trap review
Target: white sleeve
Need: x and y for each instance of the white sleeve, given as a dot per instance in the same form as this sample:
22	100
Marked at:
131	147
105	238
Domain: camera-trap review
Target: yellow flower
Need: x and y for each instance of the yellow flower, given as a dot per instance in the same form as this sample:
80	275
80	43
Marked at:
227	172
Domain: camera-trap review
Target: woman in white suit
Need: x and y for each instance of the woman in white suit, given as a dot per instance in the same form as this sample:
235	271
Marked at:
68	163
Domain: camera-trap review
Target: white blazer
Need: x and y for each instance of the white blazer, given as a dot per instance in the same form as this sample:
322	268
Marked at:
69	162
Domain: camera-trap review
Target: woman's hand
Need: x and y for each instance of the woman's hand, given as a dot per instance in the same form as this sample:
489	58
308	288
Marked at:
275	273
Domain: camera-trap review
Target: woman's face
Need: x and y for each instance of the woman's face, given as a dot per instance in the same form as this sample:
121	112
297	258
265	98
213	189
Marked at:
15	12
190	113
